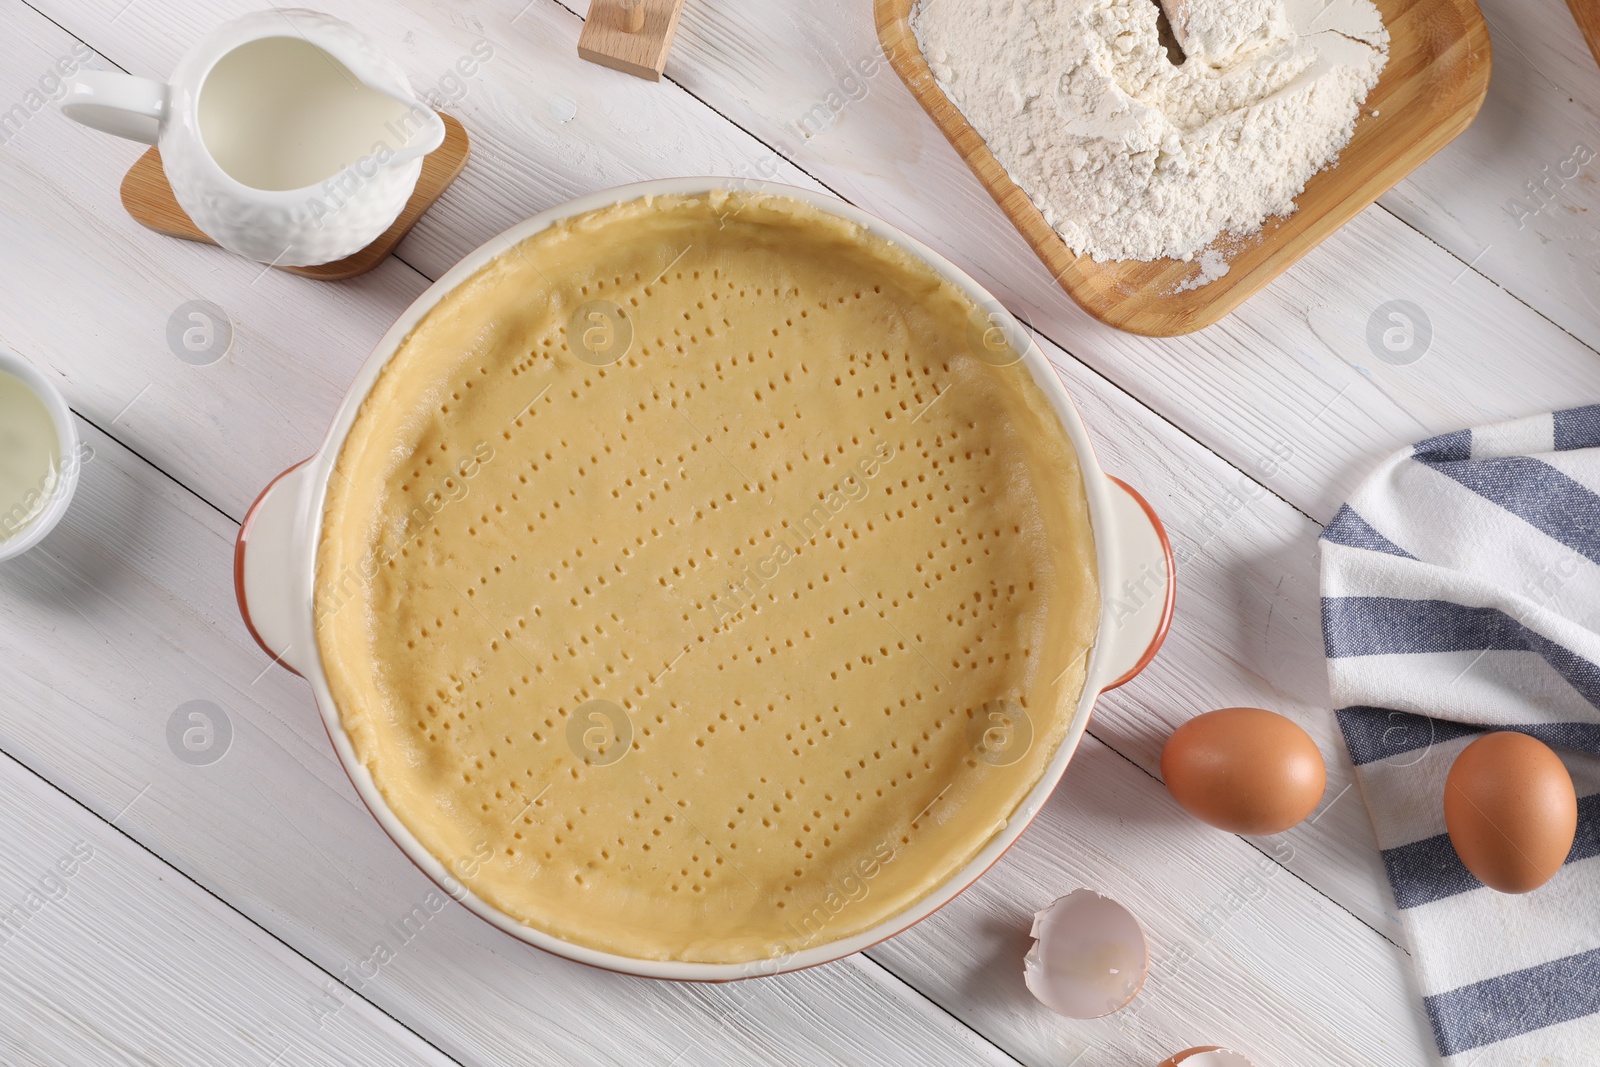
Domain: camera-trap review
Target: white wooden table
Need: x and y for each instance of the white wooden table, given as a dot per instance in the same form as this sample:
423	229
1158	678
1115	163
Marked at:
231	912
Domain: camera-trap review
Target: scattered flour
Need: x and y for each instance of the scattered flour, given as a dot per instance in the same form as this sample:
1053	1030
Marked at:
1130	155
1213	265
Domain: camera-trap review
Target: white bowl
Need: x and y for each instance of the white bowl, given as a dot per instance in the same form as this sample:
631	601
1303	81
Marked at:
275	572
67	444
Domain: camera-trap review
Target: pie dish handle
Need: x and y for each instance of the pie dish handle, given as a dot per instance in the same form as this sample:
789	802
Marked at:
265	571
1141	590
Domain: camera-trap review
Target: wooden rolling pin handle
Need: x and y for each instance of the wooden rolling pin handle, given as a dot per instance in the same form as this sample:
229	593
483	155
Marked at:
630	15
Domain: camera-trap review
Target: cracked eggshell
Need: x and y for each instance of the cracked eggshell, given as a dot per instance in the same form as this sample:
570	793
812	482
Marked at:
1206	1056
1089	957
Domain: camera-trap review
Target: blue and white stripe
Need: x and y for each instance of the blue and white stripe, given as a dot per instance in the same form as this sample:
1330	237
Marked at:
1461	594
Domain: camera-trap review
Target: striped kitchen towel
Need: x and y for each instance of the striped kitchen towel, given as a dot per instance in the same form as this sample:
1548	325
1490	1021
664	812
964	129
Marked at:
1461	594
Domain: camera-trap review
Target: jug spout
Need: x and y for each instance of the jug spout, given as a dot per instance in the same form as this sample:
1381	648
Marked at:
422	130
417	130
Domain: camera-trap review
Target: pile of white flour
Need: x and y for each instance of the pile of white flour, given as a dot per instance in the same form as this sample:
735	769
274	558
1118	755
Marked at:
1132	156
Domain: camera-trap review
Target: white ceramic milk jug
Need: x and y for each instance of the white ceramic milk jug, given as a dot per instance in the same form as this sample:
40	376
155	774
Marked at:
286	135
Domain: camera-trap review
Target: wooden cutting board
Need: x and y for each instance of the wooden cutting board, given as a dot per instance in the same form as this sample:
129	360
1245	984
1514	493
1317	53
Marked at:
1435	81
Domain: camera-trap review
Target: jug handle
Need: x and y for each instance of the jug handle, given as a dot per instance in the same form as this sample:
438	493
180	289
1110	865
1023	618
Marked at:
119	104
425	140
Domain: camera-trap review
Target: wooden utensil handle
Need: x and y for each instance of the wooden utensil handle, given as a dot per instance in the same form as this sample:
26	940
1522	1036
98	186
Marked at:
630	35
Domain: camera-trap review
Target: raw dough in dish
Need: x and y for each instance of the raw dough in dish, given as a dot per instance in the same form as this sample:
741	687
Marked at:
729	638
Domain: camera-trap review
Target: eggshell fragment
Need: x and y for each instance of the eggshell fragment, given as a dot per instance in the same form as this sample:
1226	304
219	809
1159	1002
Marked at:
1089	956
1511	811
1206	1056
1244	770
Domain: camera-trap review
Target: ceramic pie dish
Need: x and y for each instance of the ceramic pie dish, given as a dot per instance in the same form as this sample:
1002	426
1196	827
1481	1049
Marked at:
286	538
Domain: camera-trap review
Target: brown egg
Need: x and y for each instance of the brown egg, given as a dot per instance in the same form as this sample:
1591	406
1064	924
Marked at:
1244	770
1511	811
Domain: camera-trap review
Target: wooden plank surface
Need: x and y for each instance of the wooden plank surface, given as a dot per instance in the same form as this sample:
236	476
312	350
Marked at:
107	956
1223	917
1242	435
1516	196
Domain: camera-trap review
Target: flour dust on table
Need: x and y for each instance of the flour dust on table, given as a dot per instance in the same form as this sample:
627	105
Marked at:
1139	144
